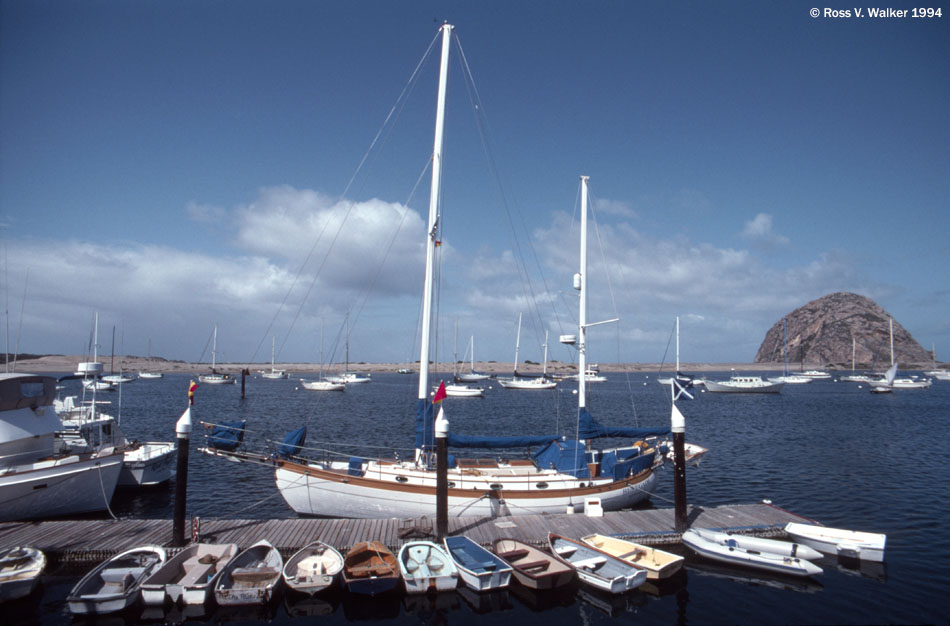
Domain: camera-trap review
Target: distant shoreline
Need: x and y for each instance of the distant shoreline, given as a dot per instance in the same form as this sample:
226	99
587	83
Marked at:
61	363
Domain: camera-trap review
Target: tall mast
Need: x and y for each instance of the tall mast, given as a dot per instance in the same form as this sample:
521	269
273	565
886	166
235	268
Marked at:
677	344
891	323
434	196
517	344
785	341
214	345
580	283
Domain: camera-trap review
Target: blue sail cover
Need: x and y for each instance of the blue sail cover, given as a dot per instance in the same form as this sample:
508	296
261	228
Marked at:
425	434
588	428
292	443
227	435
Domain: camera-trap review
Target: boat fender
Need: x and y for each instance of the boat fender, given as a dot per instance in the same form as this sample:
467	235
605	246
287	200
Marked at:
196	529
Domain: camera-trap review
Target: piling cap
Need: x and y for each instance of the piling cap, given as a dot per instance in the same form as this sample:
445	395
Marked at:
183	425
441	425
677	421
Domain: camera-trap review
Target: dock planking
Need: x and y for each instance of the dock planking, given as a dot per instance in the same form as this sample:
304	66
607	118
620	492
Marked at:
95	540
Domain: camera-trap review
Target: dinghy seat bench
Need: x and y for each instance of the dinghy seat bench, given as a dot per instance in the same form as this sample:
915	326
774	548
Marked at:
592	563
473	563
197	572
532	565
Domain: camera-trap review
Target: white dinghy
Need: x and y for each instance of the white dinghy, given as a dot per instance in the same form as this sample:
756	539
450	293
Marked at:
315	567
20	569
424	567
189	576
595	567
847	543
114	584
478	568
781	557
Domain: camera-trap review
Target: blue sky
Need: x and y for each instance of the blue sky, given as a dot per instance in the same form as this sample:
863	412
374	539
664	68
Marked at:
171	165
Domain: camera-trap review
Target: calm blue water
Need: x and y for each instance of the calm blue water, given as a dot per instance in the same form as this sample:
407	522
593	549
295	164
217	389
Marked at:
829	451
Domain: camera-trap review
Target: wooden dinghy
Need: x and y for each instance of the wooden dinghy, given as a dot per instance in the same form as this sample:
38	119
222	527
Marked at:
250	577
595	567
478	568
532	567
370	568
114	584
729	549
847	543
657	563
424	567
313	568
20	569
189	576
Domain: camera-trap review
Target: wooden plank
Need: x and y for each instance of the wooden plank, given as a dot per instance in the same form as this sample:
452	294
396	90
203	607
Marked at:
90	539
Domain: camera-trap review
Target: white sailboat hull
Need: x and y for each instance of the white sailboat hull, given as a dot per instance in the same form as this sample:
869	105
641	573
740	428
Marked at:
322	385
527	383
310	490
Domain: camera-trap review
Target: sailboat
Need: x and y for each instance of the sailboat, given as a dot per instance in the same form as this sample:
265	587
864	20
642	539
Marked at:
149	373
459	389
939	374
791	379
852	377
471	376
890	380
523	382
685	381
112	378
347	376
322	384
273	374
215	377
561	474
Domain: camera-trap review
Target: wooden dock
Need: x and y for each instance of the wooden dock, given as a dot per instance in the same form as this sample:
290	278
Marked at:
95	540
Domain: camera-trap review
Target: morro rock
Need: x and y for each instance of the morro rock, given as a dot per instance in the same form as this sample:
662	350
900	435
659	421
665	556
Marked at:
819	334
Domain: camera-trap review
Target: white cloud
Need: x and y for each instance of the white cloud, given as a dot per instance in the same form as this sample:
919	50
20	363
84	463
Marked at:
759	230
726	297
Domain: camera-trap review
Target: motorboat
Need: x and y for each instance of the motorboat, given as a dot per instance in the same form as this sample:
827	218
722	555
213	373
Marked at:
250	577
816	375
114	584
189	577
424	566
86	428
478	568
767	554
743	384
659	564
532	567
39	477
597	568
848	543
20	569
370	568
313	568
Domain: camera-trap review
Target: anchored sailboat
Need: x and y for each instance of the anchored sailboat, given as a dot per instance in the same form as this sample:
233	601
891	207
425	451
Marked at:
561	474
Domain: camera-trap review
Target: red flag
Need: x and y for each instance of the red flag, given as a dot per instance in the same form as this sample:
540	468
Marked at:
440	394
191	392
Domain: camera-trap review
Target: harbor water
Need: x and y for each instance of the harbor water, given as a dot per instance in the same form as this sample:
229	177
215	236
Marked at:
830	451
